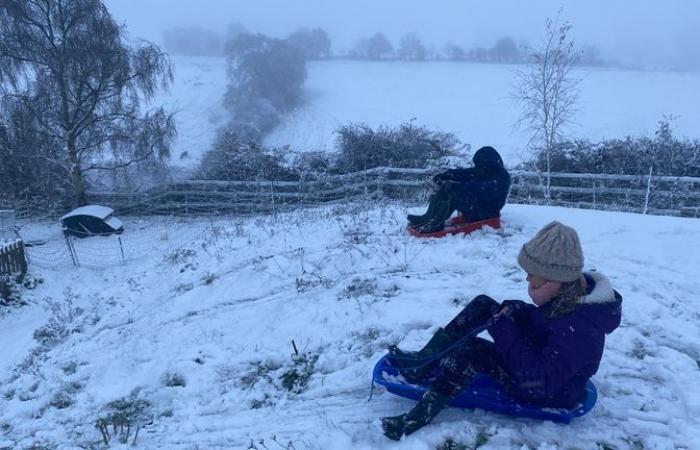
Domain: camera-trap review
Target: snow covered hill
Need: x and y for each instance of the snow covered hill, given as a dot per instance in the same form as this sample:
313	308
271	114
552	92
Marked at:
200	336
470	100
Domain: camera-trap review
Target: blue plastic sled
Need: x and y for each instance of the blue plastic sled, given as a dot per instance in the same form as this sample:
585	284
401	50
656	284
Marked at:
484	393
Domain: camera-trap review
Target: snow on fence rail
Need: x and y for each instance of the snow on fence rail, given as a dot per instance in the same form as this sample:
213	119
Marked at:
679	196
12	258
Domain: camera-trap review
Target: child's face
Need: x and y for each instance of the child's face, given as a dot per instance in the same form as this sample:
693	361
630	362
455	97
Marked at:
542	291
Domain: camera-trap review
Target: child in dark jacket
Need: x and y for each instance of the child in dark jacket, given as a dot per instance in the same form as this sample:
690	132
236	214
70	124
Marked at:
544	353
477	192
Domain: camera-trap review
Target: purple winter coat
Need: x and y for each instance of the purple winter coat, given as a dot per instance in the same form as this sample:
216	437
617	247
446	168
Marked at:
550	360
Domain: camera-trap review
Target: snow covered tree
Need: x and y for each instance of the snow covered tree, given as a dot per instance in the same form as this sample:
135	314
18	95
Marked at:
379	47
28	169
454	52
312	43
411	48
67	64
547	92
506	50
266	77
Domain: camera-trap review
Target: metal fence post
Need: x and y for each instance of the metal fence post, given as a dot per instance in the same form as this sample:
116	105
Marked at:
121	248
71	250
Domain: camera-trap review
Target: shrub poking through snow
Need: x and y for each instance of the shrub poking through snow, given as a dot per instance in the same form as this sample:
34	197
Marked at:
12	288
42	446
296	378
258	370
451	445
174	379
124	416
61	323
359	287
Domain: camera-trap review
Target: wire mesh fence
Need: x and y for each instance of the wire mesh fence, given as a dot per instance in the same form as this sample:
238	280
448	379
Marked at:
142	238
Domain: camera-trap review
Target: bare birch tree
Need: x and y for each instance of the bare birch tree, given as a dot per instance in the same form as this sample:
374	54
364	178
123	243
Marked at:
67	63
547	91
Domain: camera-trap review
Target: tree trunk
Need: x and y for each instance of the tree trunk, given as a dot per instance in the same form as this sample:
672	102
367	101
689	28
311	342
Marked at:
76	172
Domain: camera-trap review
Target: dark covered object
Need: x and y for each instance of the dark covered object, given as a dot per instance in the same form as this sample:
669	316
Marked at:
91	220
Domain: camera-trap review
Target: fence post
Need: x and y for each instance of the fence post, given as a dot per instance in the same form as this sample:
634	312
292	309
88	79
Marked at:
646	197
121	248
272	194
22	259
71	250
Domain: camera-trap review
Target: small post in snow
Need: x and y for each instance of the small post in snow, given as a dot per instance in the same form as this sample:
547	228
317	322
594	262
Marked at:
646	197
121	248
71	250
272	195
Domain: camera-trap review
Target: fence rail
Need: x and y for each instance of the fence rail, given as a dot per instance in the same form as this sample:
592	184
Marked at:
679	196
12	258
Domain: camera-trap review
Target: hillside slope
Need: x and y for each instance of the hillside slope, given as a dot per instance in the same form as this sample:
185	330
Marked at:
204	332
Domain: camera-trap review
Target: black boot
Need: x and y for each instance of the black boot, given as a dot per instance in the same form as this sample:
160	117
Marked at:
440	341
444	207
417	220
434	204
421	415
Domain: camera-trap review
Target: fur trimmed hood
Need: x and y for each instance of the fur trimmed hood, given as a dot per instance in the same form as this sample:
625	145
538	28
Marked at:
602	292
603	306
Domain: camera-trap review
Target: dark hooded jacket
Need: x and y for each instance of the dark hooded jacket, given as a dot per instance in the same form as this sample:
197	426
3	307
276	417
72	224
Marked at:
480	192
551	359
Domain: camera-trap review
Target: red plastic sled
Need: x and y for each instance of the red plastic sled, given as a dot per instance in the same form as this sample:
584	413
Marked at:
457	225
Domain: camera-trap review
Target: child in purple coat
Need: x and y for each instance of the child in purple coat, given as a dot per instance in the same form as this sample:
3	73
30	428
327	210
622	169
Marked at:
543	353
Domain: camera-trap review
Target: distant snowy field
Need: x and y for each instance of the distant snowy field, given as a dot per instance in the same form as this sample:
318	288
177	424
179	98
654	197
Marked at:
220	309
470	100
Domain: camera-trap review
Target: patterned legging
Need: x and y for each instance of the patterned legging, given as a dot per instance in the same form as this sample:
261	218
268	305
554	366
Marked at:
477	355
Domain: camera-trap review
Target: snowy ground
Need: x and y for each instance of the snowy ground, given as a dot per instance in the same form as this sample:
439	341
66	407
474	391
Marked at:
470	100
204	331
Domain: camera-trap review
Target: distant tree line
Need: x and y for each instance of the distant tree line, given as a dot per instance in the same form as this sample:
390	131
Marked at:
411	48
315	44
312	43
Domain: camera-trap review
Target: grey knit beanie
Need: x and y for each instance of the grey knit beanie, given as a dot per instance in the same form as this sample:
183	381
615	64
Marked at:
554	254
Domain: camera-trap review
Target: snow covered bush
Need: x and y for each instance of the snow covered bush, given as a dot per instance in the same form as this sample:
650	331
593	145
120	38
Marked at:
9	290
272	379
235	159
359	287
407	145
123	416
664	154
62	321
296	378
174	379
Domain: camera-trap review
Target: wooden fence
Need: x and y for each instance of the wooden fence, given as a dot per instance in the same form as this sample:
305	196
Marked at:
12	258
677	196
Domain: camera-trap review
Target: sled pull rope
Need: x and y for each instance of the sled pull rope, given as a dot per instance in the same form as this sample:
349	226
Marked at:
371	391
442	353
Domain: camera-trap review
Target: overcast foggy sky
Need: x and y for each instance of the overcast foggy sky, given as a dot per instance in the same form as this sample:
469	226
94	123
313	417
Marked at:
634	31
